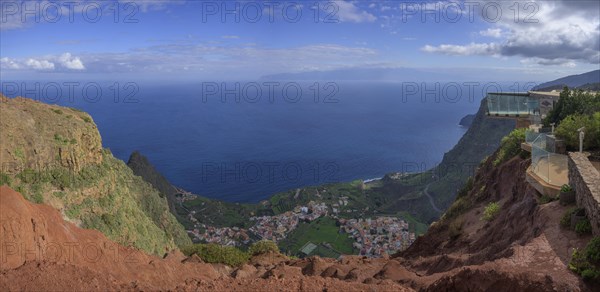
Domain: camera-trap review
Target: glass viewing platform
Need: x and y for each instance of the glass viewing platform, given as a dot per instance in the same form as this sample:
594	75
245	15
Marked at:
512	104
548	170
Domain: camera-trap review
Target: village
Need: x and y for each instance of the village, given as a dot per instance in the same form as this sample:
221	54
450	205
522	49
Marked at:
379	236
373	237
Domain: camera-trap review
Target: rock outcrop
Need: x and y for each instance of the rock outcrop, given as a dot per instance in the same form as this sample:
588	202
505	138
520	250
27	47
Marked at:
54	155
467	120
40	136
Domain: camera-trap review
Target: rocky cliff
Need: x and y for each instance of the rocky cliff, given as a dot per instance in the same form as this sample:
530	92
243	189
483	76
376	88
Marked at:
36	135
143	168
54	155
481	140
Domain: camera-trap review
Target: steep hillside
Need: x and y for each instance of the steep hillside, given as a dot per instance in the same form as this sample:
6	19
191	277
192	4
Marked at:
143	168
480	141
426	195
572	81
522	247
54	155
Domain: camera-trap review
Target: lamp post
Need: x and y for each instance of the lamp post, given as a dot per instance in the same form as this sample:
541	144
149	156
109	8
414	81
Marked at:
581	137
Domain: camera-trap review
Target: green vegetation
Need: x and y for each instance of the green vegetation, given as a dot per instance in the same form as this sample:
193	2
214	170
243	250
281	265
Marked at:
221	214
586	263
86	119
414	225
455	228
576	109
124	207
583	227
62	140
262	247
565	188
462	202
565	220
567	130
213	253
5	179
57	111
510	146
573	102
490	211
322	230
19	153
545	199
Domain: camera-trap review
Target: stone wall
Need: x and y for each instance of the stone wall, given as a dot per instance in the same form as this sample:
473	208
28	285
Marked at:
585	179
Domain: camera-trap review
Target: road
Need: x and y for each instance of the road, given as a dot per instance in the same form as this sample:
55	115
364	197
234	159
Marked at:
426	191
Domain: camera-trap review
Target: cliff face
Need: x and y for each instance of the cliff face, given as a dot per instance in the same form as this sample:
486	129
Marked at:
143	168
36	135
54	155
481	140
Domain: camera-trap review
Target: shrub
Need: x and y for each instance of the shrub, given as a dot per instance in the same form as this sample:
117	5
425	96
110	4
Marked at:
567	130
573	102
510	146
263	246
592	250
585	263
57	111
5	179
566	188
19	153
212	253
565	220
455	229
590	274
583	227
37	196
28	176
547	199
490	211
457	208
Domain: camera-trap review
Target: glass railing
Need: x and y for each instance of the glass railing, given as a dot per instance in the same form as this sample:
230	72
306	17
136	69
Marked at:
531	136
548	166
512	104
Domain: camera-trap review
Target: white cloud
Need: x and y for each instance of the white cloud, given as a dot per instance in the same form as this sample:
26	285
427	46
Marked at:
234	37
39	64
466	50
60	63
239	61
492	32
69	62
8	63
554	32
348	12
530	62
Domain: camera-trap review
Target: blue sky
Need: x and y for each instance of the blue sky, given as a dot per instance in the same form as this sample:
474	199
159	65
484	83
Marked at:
197	40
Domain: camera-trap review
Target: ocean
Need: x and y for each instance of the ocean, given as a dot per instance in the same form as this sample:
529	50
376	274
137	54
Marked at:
244	144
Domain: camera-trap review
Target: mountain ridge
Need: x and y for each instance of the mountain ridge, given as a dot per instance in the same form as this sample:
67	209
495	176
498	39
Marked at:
571	81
